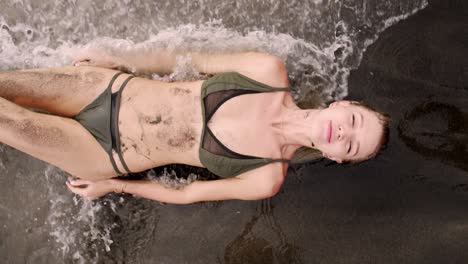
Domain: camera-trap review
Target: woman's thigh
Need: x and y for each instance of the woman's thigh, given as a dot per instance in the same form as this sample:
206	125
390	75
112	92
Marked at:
60	141
61	91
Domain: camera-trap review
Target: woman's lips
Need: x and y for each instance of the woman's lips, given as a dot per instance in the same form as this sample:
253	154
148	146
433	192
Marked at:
329	131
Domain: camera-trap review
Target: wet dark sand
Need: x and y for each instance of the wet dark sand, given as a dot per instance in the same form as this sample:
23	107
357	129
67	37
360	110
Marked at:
410	205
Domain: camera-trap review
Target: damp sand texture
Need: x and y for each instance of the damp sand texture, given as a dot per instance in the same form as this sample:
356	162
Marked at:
407	206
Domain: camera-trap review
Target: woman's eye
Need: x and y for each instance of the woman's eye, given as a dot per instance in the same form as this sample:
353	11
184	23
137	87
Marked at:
353	121
349	148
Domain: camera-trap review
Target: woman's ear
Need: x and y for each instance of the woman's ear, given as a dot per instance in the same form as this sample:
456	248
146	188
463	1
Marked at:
344	102
337	160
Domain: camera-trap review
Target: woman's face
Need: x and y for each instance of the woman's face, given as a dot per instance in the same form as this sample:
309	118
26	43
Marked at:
345	131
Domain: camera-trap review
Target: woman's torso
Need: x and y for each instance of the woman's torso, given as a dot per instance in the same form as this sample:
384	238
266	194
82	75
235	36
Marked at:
162	123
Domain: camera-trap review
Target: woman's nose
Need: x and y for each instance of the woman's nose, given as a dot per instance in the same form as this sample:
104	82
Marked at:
342	132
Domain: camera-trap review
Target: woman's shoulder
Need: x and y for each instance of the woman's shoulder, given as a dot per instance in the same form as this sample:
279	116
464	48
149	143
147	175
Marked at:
262	68
269	177
268	69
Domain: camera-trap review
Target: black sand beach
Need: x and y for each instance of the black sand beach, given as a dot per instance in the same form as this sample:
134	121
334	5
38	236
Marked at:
409	205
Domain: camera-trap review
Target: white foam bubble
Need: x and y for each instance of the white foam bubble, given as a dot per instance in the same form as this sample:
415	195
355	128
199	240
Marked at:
75	227
170	179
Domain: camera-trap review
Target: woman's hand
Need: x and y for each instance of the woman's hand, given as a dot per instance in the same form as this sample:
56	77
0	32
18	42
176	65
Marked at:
91	190
98	57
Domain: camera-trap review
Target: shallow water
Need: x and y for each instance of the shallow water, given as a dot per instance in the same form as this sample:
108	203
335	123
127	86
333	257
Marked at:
407	206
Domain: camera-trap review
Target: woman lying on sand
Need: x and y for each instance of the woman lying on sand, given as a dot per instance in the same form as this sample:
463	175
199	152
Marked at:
241	124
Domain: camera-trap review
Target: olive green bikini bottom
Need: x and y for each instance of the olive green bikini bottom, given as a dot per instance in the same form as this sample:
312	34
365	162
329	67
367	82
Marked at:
101	119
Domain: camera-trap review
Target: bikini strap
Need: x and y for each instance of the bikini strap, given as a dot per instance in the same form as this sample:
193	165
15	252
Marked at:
114	165
111	83
116	124
111	157
279	160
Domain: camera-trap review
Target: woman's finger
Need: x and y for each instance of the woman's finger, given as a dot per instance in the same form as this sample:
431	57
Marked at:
85	62
74	189
89	54
79	182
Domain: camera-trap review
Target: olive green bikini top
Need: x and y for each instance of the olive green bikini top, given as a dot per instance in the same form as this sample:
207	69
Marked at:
215	156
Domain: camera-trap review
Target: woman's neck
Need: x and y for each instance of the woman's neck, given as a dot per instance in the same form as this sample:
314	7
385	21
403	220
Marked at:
295	126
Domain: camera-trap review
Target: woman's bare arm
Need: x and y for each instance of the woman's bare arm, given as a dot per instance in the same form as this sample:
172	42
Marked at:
262	67
250	186
198	191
